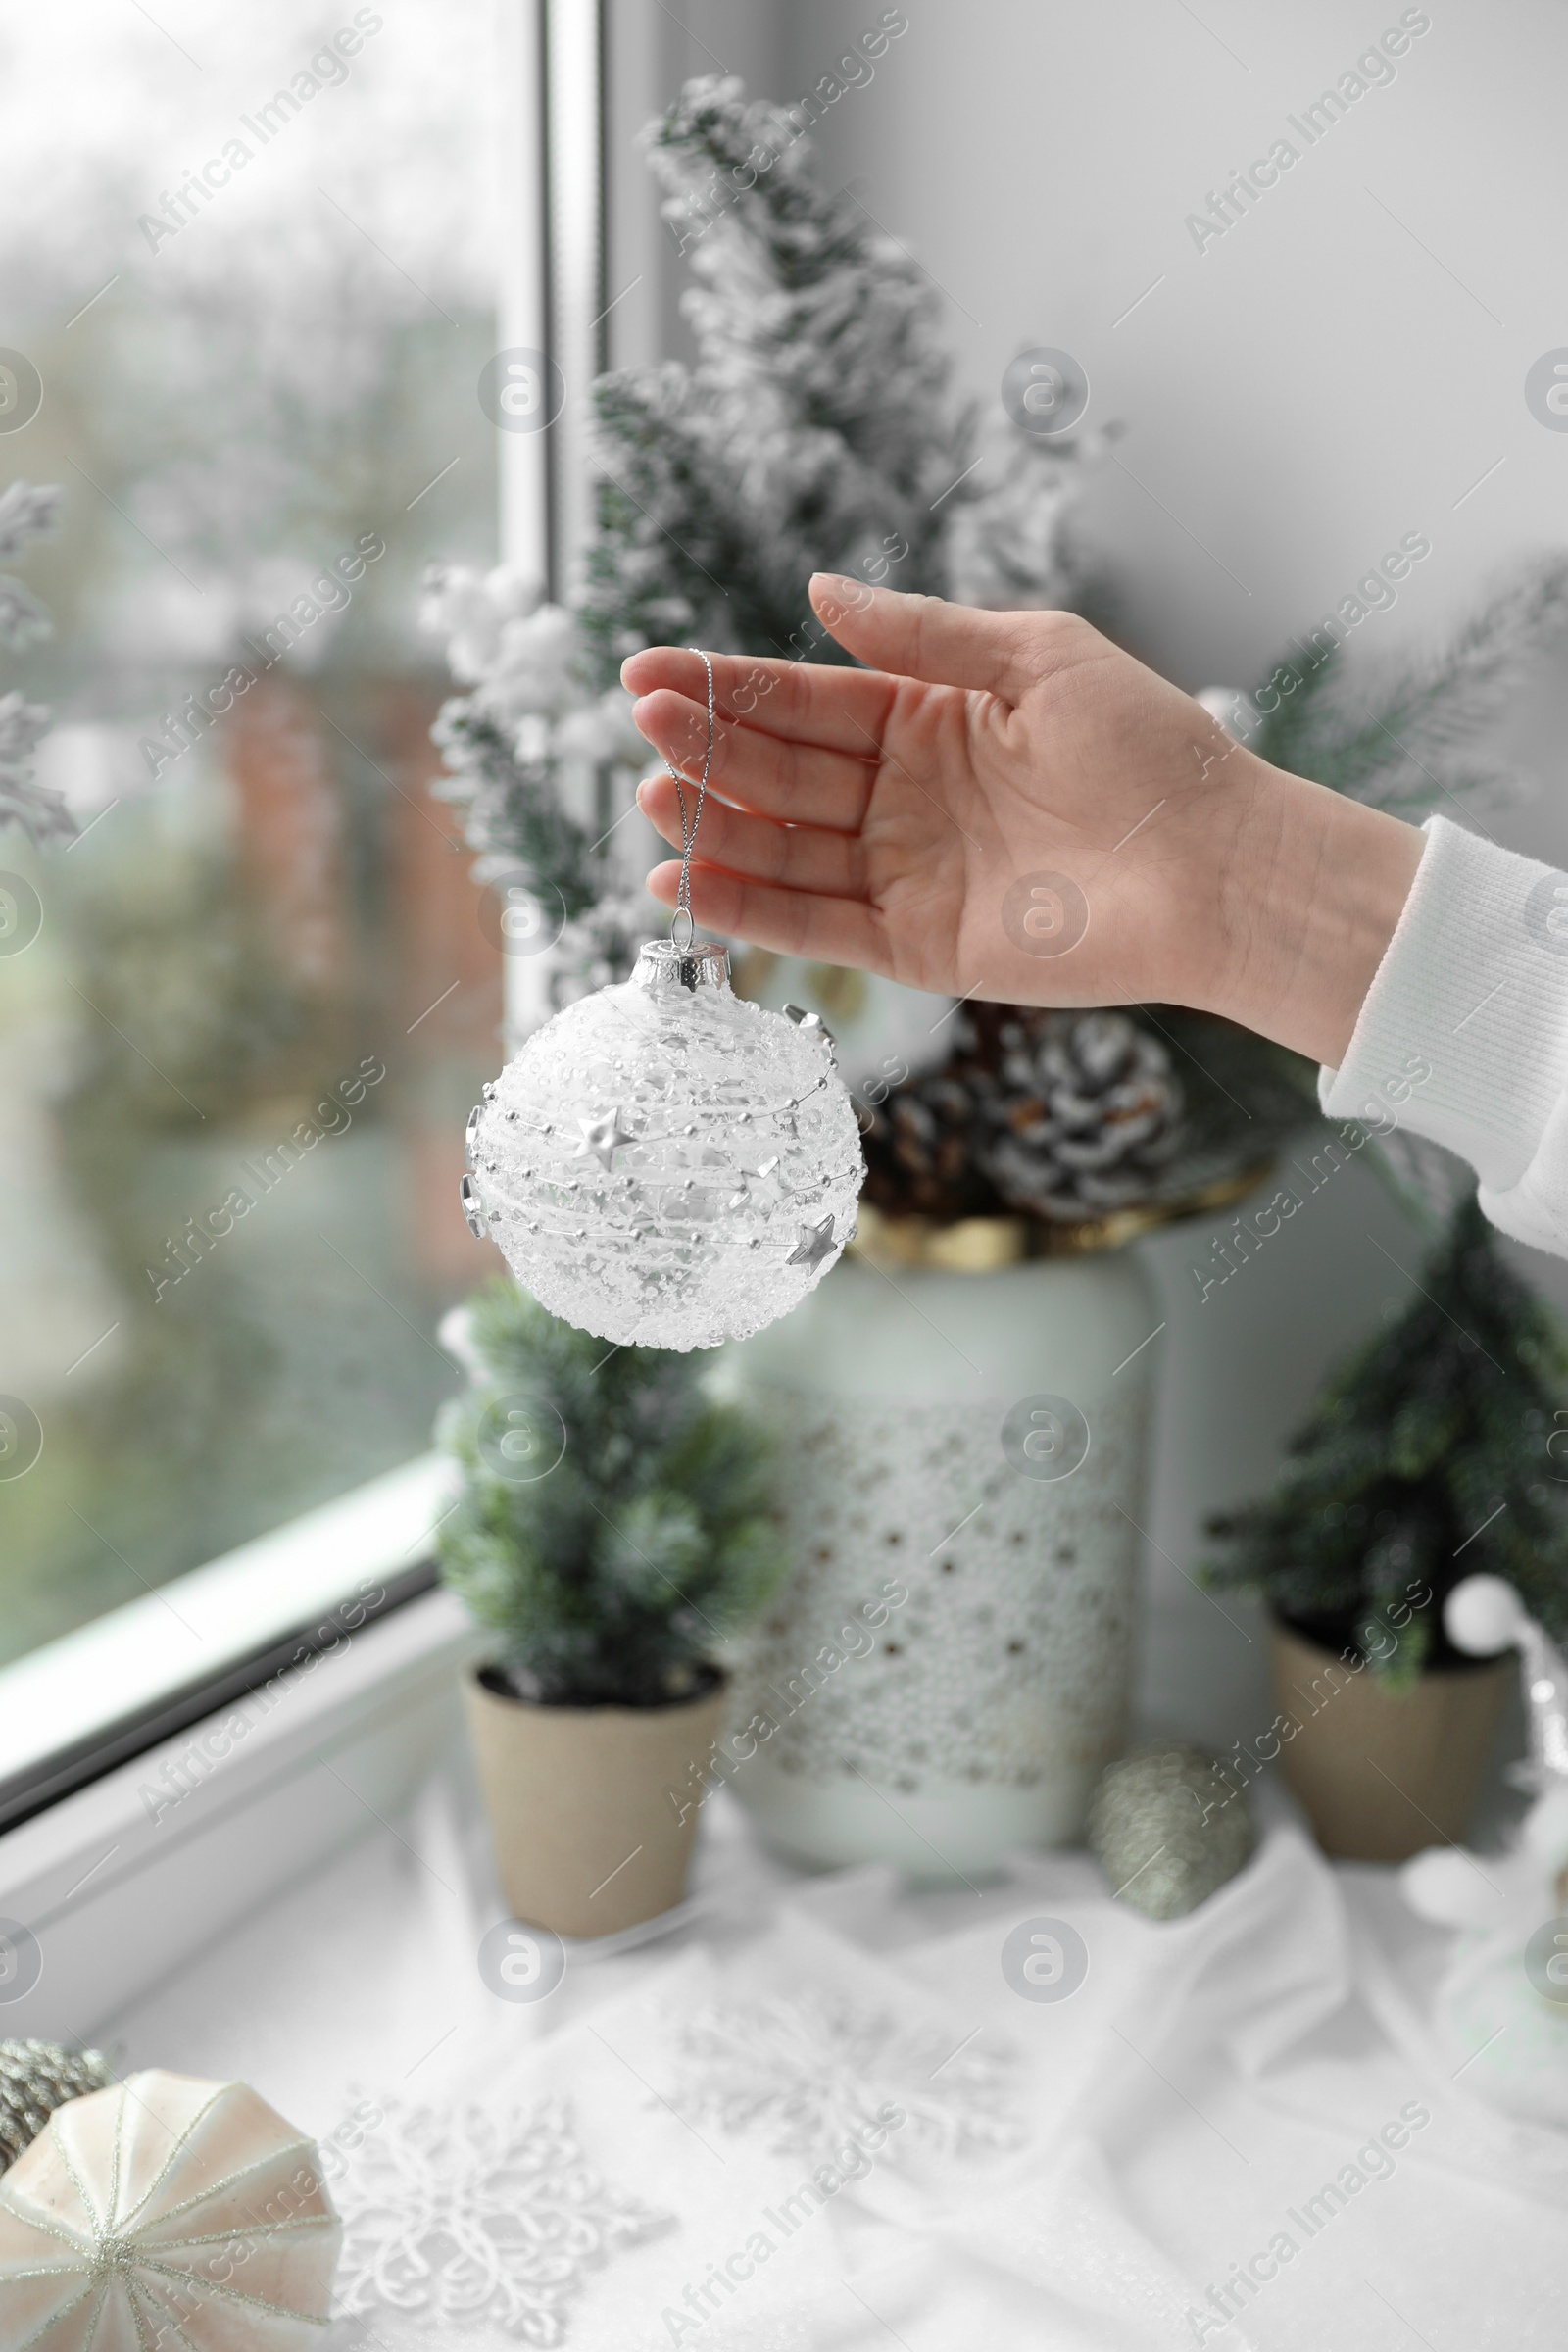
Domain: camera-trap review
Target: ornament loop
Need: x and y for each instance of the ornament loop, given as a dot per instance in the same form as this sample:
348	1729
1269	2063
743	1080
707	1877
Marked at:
688	828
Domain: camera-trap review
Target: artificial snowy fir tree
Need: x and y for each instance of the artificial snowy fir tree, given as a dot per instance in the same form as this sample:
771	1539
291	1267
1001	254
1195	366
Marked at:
28	510
818	429
1427	1459
656	1535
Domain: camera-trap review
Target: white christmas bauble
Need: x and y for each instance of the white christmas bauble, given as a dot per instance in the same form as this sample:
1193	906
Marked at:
664	1165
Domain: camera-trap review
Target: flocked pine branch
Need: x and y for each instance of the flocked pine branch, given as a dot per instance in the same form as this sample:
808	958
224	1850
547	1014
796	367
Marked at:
1406	740
532	729
512	806
818	428
28	510
1010	542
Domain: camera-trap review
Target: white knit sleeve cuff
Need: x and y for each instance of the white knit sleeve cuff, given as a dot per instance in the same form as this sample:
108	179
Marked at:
1463	1035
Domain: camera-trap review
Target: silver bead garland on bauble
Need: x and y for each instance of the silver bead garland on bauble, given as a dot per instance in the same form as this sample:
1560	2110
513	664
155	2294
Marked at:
664	1165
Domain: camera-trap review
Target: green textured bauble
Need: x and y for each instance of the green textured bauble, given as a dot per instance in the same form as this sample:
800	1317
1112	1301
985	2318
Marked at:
36	2078
1167	1827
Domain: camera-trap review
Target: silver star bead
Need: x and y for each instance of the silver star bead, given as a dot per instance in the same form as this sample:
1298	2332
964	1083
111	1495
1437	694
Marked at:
762	1175
812	1022
815	1243
473	1210
600	1136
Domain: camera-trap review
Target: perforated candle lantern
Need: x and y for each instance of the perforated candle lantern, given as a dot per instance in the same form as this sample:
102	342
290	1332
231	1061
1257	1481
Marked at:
160	2212
664	1165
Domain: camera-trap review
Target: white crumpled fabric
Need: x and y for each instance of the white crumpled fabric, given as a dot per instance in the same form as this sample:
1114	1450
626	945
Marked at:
1240	2129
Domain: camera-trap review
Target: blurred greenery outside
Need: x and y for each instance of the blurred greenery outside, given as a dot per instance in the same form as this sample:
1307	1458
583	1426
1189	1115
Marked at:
283	904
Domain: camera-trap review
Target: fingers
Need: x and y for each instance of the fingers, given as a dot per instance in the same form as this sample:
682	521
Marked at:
797	857
922	637
802	783
792	922
803	701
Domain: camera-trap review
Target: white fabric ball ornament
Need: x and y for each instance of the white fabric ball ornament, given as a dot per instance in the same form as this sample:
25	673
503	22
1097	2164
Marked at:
162	2212
1483	1614
664	1165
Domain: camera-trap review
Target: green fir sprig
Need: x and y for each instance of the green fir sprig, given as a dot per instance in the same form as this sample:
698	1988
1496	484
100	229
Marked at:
1427	1458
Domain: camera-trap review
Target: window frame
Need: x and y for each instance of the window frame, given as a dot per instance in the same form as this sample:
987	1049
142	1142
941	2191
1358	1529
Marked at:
344	1597
110	1691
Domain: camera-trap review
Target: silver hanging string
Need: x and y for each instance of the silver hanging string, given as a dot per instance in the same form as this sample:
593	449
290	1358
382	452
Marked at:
688	831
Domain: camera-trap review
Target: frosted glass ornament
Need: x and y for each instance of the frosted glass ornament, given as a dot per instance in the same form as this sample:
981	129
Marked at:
664	1165
165	2211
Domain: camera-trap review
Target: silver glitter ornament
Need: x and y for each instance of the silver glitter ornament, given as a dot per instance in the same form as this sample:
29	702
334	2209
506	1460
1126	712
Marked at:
664	1165
36	2078
1168	1828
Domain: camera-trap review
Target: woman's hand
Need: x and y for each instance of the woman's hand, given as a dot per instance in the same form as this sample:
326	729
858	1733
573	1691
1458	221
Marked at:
1005	805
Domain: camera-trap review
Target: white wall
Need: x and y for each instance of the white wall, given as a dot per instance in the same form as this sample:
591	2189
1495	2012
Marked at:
1339	369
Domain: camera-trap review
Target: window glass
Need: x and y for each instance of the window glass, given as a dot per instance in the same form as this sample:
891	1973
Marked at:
250	259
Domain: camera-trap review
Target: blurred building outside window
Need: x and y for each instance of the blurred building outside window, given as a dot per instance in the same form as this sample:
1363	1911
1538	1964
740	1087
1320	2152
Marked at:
253	256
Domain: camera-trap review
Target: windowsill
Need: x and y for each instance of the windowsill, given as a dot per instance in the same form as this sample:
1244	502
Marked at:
118	1884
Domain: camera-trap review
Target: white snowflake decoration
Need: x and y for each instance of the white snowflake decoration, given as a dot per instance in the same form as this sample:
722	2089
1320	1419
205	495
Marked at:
809	2074
459	2220
664	1165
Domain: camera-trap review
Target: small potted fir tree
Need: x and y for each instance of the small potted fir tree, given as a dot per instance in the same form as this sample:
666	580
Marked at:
1431	1455
614	1525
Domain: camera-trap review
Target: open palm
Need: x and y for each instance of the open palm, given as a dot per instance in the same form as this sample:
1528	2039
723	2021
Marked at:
1002	805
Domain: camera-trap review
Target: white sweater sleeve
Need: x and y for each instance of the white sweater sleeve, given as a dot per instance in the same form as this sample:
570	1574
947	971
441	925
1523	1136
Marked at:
1463	1035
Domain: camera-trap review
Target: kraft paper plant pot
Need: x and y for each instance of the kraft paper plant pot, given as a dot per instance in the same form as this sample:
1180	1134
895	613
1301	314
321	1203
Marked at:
1382	1774
587	1805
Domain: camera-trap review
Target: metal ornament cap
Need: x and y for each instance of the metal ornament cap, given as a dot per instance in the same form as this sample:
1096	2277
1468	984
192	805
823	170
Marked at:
663	967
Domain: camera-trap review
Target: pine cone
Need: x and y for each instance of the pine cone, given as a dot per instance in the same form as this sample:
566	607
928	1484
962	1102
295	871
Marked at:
1063	1115
1086	1110
36	2078
925	1148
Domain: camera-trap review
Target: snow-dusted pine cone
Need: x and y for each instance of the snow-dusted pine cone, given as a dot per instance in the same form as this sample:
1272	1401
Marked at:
1086	1110
36	2078
925	1148
1064	1115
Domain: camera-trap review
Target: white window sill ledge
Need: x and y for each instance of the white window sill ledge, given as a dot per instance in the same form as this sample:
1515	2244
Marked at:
123	1880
